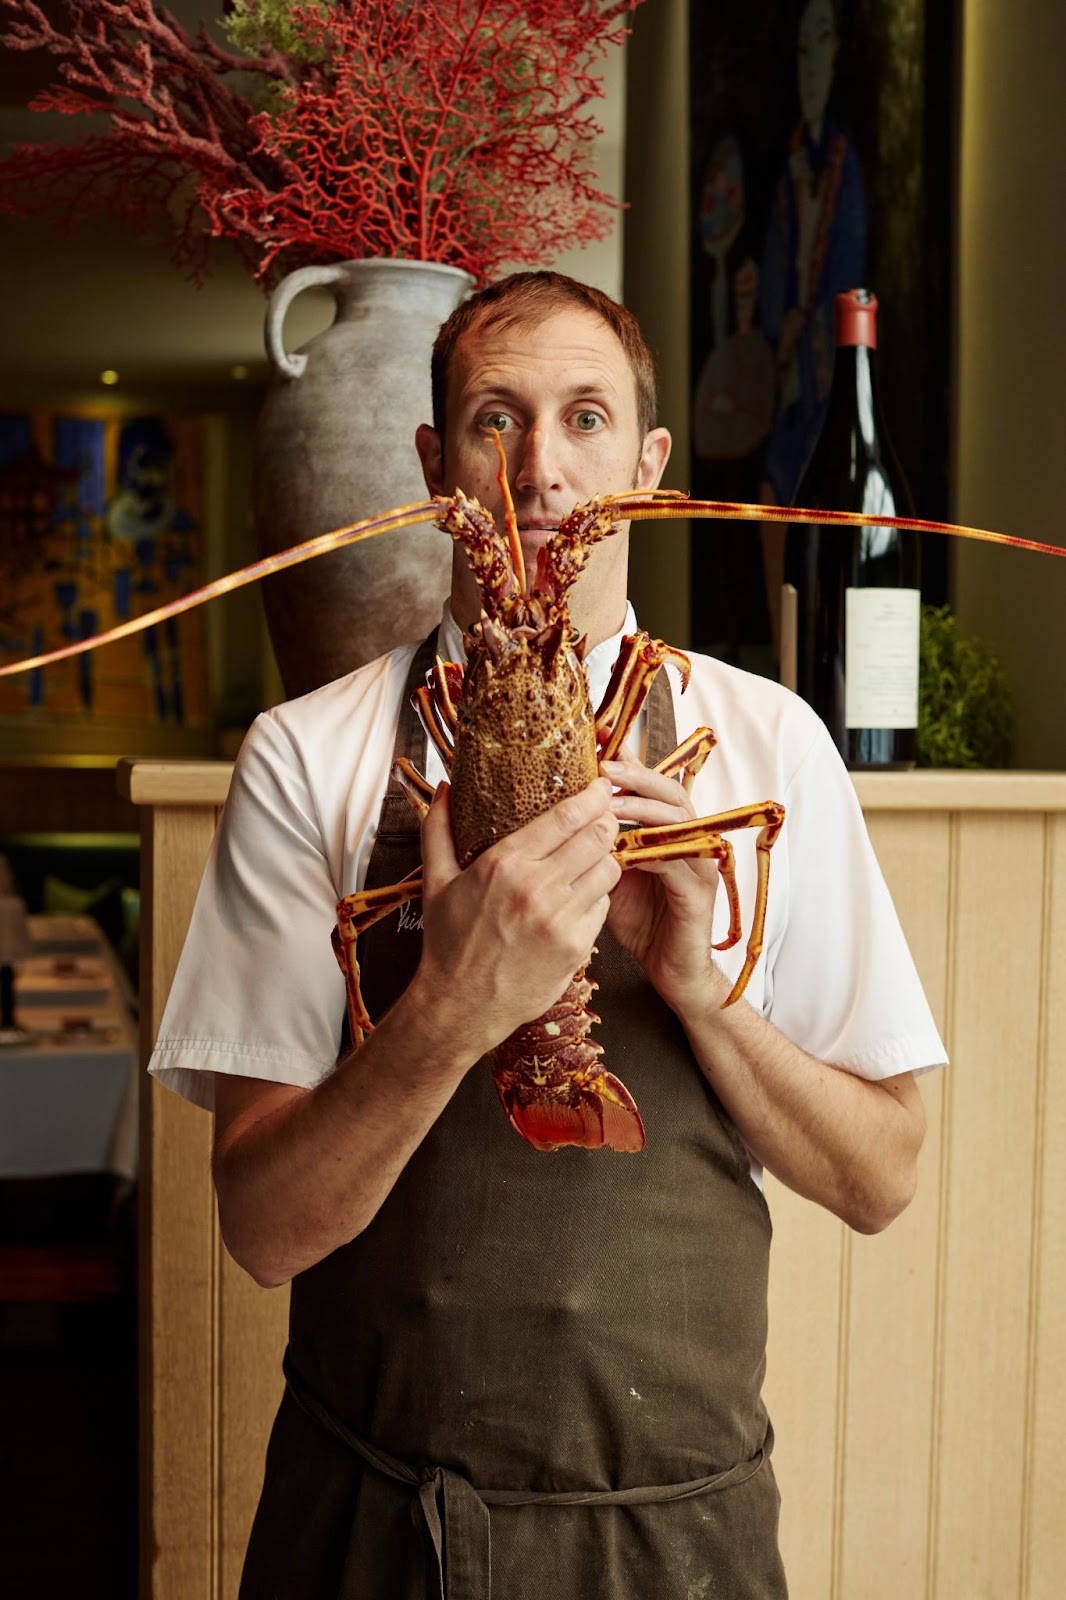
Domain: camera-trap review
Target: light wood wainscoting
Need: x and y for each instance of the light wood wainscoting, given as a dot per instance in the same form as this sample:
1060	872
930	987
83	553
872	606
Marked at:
917	1380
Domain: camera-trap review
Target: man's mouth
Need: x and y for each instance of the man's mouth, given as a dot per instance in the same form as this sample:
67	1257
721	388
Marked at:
537	531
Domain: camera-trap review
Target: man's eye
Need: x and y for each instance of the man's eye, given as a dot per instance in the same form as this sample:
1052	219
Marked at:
588	421
495	419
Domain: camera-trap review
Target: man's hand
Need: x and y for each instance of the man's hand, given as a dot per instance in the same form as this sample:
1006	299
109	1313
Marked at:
661	910
504	937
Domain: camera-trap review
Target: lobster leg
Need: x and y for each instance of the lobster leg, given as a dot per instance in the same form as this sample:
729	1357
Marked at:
435	704
701	836
432	719
691	842
688	758
639	661
445	679
356	913
417	788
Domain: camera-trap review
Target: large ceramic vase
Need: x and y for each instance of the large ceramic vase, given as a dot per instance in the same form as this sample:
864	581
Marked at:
335	444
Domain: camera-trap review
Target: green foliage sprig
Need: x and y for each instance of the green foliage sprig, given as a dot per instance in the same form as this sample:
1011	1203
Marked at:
964	702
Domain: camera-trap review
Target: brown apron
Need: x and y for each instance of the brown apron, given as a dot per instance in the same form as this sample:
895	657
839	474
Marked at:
533	1373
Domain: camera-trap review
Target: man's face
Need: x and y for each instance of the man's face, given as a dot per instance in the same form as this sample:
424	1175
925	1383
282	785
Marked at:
563	397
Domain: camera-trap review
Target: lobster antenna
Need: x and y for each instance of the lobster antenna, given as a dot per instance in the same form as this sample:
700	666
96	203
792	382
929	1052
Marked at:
658	505
514	543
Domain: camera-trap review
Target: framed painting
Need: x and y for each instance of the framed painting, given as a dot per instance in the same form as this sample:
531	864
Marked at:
102	517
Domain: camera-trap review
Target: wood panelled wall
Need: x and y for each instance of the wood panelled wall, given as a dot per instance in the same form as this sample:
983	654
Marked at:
917	1380
210	1338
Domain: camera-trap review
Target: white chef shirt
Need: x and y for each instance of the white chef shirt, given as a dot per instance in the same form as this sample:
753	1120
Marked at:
258	991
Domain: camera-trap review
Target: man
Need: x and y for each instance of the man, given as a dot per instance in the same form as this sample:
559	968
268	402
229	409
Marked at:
552	1362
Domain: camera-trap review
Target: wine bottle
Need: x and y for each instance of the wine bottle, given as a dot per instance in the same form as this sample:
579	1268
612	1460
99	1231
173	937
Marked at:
858	602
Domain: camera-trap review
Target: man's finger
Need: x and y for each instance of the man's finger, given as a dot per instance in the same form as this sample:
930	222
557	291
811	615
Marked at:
439	860
583	850
595	883
645	781
631	808
542	837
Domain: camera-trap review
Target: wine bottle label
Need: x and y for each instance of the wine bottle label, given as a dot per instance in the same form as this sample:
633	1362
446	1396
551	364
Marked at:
881	658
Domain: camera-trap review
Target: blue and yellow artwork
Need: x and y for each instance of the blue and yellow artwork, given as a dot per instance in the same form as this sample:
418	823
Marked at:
101	519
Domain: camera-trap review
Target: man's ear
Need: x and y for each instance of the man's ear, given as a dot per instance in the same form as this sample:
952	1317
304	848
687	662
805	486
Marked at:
430	449
654	454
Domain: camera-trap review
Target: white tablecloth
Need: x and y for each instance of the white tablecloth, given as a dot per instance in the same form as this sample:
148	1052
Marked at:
68	1092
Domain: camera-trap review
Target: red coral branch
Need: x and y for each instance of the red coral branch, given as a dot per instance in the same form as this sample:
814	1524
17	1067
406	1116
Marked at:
443	130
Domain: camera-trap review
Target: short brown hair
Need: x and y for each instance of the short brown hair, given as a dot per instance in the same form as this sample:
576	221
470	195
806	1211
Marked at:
532	297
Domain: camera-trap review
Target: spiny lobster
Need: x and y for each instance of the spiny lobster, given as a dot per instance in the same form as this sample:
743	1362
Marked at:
519	628
518	733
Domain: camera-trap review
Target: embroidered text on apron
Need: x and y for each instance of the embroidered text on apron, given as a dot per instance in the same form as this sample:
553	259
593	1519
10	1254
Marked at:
533	1371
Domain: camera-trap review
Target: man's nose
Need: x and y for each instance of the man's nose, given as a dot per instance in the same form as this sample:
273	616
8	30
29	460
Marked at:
538	466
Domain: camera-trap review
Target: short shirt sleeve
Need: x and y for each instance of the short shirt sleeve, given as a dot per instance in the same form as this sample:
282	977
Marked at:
842	983
258	992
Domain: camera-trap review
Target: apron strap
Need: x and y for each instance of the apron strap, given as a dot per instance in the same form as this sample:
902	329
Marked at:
661	738
461	1537
397	818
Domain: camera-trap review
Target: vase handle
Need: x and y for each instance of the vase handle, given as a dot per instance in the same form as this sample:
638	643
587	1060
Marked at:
292	366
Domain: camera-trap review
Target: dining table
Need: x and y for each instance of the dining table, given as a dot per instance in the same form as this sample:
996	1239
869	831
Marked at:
68	1076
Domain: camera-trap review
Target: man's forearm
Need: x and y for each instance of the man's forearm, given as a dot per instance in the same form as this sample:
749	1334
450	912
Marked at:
843	1141
302	1172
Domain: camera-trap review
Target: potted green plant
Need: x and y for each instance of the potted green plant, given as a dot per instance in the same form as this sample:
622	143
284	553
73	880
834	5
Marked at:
964	704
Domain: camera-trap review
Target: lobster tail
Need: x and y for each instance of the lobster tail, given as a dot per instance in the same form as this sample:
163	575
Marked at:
551	1084
595	1118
